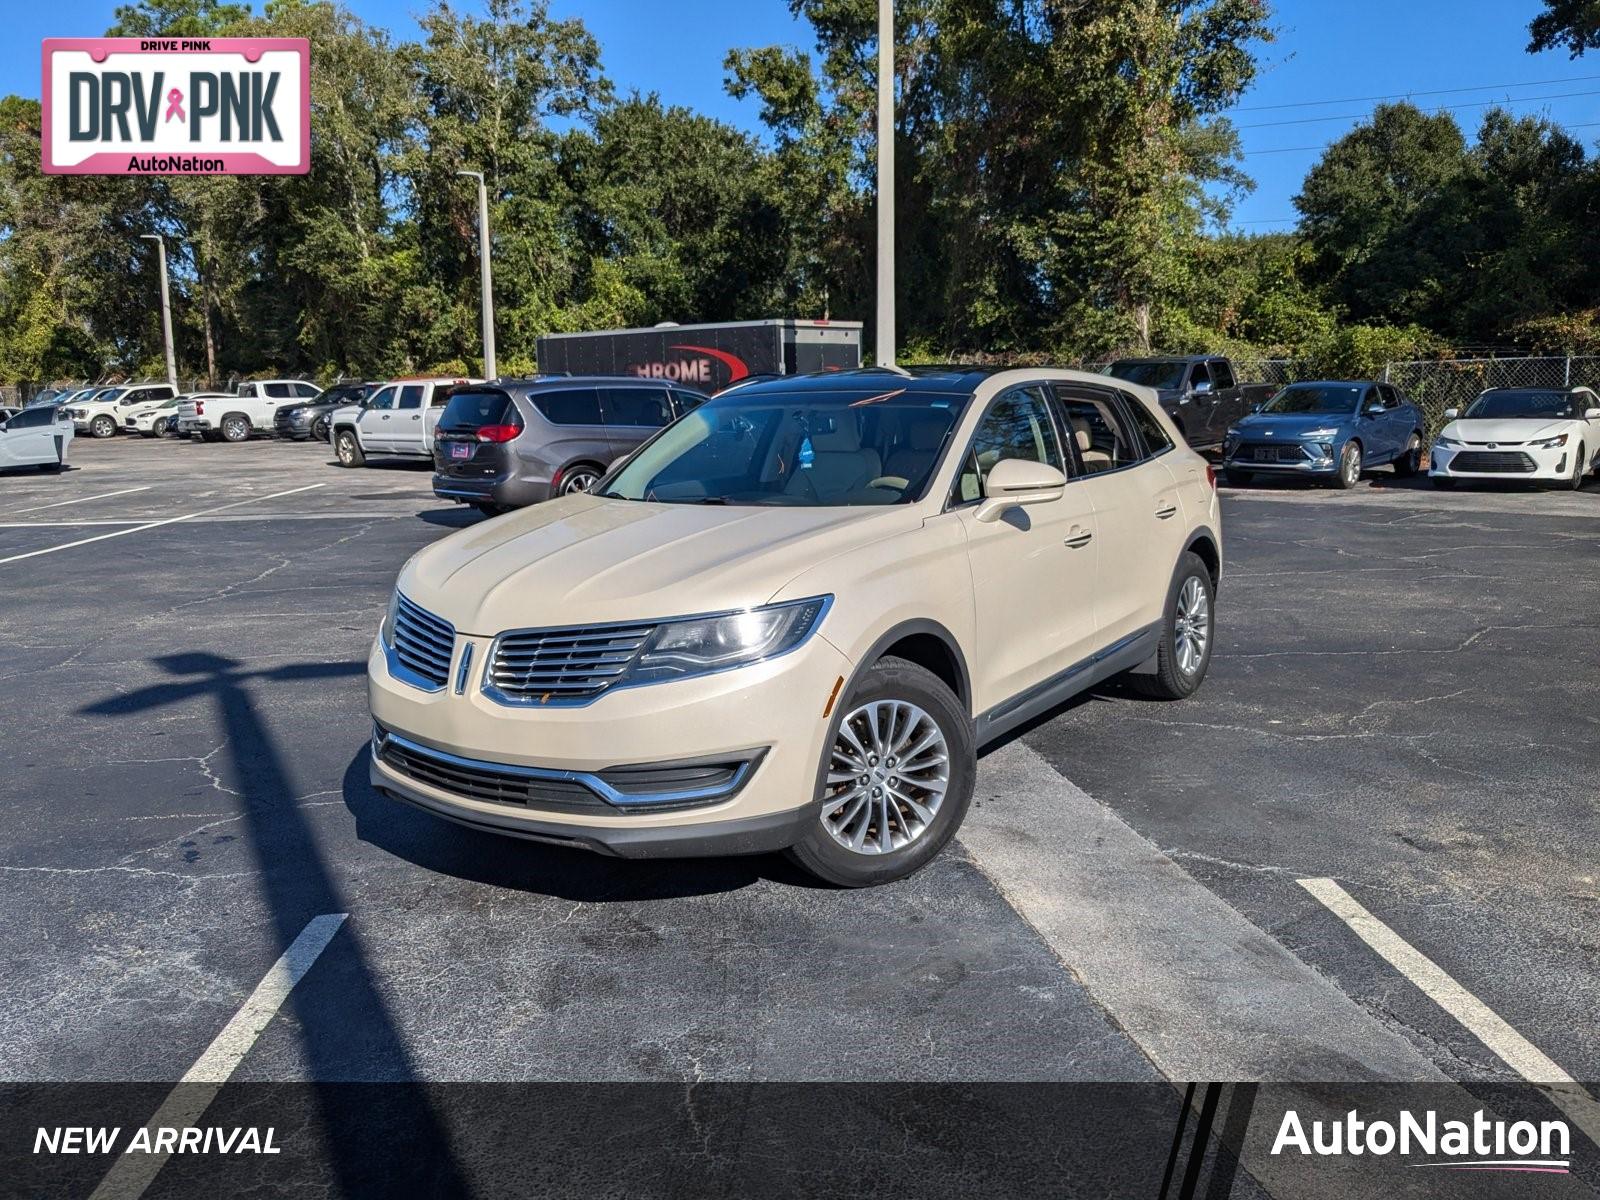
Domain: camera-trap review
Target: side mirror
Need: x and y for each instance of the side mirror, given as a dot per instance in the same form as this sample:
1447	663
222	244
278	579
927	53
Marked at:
1375	409
1450	414
1591	414
1203	388
1014	482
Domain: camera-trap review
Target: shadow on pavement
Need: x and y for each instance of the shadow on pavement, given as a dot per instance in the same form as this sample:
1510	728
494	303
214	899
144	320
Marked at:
353	1033
435	844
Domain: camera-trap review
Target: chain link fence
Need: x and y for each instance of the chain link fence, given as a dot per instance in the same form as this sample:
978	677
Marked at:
1436	385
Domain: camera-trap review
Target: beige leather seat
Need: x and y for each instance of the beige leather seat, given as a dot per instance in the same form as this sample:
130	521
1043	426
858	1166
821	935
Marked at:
840	465
1093	460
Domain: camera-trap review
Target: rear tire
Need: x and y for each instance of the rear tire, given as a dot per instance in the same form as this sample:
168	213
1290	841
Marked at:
1410	460
348	449
1188	632
864	793
579	477
235	428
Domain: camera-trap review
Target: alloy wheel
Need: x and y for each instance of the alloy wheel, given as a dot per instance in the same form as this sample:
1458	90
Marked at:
580	479
1350	465
1191	625
888	773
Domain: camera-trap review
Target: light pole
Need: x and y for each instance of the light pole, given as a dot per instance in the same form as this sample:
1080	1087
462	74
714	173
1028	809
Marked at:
489	371
166	307
885	329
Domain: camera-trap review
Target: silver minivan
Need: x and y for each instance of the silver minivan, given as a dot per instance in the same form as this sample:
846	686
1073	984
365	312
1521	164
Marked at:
512	443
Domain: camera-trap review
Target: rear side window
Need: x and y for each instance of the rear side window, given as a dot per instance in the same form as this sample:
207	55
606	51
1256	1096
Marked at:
637	406
1155	438
469	411
410	396
1104	442
1221	375
569	406
32	418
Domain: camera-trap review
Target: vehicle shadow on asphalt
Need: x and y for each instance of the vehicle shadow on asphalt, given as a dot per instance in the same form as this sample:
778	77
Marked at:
435	844
452	518
345	1027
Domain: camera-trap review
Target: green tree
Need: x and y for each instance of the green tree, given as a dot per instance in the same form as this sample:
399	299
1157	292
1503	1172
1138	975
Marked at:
1572	25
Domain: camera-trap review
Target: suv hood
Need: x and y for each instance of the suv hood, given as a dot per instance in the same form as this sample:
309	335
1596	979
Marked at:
1507	430
583	560
1291	424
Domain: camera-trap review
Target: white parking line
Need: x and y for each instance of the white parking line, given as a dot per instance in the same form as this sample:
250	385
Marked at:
192	1095
1203	992
85	499
1521	1055
155	524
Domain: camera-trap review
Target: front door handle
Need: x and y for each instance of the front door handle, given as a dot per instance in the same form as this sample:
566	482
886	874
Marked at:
1077	541
1163	514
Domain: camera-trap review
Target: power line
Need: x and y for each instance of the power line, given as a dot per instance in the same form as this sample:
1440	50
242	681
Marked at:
1439	108
1481	87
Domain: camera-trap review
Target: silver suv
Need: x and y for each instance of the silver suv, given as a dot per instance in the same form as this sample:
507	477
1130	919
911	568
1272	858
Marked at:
512	443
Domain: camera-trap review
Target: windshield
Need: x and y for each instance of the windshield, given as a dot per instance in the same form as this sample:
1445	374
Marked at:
808	449
1501	405
1338	399
1163	376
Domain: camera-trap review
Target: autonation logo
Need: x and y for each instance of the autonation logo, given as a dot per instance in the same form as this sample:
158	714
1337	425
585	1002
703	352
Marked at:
1481	1144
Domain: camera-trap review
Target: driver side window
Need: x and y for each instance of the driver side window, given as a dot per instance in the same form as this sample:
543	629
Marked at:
1017	425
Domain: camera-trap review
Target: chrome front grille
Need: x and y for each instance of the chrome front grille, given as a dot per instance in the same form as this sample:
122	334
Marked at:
423	643
542	666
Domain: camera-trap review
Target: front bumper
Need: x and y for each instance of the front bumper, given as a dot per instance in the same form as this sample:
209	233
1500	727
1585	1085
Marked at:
770	714
1503	462
1292	458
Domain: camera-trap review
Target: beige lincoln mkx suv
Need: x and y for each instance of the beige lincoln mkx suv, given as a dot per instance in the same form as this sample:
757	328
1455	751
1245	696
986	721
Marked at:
791	618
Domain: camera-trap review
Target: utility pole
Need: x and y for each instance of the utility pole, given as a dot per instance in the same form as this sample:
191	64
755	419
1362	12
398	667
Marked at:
485	278
166	306
884	337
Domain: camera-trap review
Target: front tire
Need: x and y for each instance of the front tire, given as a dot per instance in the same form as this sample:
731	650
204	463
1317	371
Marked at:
159	428
1188	632
348	449
895	781
319	429
1410	461
102	427
1579	461
1349	467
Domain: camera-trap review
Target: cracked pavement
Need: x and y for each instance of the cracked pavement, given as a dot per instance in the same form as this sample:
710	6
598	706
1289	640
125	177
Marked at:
1402	699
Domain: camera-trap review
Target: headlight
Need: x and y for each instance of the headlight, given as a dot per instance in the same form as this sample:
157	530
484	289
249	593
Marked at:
701	645
1313	434
386	630
1550	443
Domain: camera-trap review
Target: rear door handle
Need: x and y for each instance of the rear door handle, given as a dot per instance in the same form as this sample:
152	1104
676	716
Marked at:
1078	540
1169	511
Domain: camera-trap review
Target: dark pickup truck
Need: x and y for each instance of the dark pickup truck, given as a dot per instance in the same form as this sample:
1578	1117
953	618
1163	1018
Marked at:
1201	393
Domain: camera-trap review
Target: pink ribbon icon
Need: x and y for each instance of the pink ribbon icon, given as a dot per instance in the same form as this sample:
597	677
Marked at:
175	105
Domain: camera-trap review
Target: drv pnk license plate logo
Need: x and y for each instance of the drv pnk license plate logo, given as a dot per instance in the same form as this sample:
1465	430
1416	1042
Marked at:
177	106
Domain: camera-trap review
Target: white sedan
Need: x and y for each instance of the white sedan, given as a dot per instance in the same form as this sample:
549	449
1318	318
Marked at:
35	437
1547	435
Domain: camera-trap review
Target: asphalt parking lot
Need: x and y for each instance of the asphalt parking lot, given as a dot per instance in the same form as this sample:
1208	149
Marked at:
1402	702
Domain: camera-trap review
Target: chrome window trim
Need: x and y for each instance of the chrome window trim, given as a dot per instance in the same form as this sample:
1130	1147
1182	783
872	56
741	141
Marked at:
624	683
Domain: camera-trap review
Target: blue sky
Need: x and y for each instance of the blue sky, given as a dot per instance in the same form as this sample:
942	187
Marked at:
1327	50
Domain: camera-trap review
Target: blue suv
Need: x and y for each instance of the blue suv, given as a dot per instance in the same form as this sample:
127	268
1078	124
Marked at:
1331	430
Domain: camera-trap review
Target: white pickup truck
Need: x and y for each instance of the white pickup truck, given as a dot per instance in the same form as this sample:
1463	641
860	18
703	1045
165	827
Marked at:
252	409
103	413
396	419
